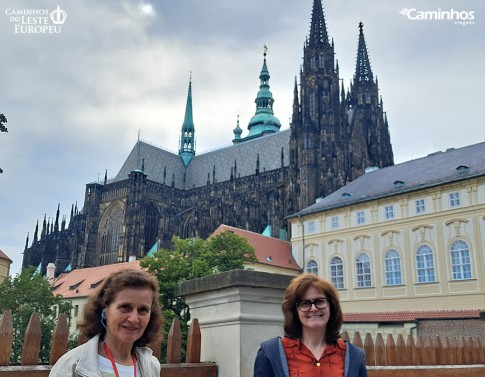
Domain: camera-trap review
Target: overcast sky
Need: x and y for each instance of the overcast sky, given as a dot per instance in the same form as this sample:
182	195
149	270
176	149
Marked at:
77	97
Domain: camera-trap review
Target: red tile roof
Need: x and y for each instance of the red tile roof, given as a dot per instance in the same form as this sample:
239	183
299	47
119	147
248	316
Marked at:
4	256
412	316
81	282
270	251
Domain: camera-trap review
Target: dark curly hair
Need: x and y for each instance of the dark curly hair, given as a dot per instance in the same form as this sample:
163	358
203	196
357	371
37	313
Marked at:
294	293
90	325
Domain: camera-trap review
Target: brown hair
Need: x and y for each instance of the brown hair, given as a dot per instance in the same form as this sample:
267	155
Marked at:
293	295
91	324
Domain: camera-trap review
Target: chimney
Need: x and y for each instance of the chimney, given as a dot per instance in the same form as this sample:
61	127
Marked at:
51	270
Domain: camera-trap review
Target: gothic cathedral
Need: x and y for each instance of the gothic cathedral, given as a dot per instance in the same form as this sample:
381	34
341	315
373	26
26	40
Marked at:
254	184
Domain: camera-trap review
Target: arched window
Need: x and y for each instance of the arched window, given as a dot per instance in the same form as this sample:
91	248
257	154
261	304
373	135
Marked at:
111	237
425	264
321	61
460	261
362	265
392	262
337	272
151	226
312	267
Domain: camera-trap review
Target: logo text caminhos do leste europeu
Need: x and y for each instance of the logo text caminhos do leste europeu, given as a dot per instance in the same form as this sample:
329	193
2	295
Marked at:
457	16
36	21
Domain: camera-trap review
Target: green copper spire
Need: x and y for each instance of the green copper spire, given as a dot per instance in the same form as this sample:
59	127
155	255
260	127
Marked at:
237	131
187	141
264	120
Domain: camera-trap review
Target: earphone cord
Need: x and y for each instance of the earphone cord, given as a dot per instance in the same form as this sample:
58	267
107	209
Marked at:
107	332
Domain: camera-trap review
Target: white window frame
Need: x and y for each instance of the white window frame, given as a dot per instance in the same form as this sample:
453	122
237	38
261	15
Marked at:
337	272
312	267
389	212
392	266
363	271
334	222
360	217
455	199
461	268
420	206
425	265
310	227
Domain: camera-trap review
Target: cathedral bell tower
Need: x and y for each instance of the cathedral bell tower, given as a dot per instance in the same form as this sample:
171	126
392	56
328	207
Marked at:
366	115
317	117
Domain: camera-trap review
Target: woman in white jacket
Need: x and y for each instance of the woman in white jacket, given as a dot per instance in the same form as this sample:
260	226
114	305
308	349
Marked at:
120	318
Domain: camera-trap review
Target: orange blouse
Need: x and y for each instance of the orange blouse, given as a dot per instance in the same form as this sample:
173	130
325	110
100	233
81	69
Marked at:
302	363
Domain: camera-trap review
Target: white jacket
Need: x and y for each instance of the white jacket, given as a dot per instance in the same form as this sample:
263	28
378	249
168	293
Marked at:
82	361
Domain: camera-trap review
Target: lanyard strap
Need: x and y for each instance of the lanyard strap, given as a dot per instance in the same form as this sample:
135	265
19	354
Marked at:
110	357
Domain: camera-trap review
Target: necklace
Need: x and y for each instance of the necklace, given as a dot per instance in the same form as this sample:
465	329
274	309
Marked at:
110	357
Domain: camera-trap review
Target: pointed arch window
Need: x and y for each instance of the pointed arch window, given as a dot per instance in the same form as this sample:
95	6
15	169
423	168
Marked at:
313	103
111	237
392	262
312	267
313	61
321	61
460	261
362	266
425	264
151	226
337	272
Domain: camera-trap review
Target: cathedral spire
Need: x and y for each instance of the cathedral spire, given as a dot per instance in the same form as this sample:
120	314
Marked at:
56	224
264	120
187	141
318	27
363	71
296	105
44	225
36	232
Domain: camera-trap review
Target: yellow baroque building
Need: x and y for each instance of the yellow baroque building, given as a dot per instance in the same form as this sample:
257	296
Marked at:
408	238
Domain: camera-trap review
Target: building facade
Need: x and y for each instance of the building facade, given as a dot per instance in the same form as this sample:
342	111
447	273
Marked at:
409	238
5	263
262	178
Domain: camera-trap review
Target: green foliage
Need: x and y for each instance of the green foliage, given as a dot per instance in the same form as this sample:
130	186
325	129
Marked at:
25	294
3	128
190	259
227	251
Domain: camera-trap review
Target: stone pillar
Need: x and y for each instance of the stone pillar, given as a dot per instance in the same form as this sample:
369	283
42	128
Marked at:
237	310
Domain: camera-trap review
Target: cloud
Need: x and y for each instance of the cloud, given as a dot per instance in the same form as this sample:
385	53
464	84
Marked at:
146	9
76	100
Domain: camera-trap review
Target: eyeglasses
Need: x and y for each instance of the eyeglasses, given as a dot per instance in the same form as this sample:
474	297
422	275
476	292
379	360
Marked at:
305	306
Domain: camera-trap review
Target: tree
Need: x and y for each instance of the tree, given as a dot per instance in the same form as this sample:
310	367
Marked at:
190	259
3	128
26	293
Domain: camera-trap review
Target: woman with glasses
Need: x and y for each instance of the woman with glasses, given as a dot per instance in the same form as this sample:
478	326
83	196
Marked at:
311	345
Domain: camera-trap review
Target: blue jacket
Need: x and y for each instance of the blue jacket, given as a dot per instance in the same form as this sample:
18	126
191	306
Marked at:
271	360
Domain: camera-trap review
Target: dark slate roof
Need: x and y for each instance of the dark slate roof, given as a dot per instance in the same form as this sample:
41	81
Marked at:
244	155
156	160
435	169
